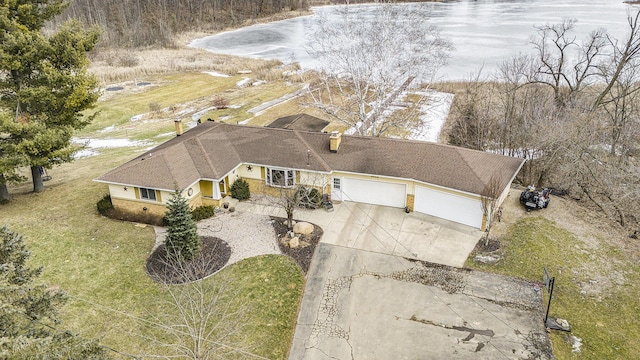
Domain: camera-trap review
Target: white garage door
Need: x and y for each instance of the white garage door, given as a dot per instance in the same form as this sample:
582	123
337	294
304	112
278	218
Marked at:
374	192
448	206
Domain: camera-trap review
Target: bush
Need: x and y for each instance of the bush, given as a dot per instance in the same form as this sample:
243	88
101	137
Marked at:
220	102
240	190
309	198
105	206
202	212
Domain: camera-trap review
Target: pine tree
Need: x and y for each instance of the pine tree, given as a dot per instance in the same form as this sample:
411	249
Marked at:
182	241
44	80
29	327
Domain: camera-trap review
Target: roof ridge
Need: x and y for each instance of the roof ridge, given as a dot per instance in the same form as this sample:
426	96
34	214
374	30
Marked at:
466	162
310	148
206	157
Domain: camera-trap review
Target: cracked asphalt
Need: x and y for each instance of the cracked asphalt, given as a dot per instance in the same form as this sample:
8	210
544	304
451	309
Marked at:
366	305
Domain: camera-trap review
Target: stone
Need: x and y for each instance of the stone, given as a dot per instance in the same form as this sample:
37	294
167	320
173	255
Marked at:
294	243
303	228
487	259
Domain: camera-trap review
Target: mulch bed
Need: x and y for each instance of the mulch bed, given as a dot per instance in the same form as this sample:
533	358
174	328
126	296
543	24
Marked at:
213	255
482	247
302	256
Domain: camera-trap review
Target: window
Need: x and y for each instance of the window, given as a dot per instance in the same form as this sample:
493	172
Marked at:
281	177
148	194
336	183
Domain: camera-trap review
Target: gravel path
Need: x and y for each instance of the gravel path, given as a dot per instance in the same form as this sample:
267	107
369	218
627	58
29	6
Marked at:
247	234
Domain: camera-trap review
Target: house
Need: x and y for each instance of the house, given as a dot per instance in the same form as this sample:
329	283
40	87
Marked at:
435	179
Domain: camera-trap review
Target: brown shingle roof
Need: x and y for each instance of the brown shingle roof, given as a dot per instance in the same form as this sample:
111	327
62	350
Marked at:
211	150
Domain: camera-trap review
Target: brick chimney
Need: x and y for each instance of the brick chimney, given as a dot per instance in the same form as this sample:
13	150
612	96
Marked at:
178	127
334	141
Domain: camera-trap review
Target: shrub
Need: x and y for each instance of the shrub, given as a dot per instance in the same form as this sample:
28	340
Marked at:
240	190
155	107
105	206
202	212
220	102
309	198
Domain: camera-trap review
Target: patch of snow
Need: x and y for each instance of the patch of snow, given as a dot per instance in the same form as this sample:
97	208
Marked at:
137	117
107	129
216	74
185	111
85	153
108	143
234	106
198	115
258	83
576	344
167	134
244	82
435	113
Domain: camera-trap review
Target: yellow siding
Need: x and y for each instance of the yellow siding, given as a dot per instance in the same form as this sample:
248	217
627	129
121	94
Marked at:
137	191
257	172
206	188
159	196
262	173
118	191
408	183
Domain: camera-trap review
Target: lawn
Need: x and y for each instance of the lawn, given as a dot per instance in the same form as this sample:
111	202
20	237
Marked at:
100	262
594	287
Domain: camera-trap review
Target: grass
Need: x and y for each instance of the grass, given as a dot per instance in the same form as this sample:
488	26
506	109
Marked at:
603	318
100	262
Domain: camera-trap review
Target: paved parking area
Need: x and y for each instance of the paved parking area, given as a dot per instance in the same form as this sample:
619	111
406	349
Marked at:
366	305
386	230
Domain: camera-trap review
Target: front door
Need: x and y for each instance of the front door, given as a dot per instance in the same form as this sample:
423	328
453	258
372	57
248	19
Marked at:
336	189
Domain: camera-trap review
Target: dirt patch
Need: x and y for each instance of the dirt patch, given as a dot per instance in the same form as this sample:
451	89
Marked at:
302	255
213	256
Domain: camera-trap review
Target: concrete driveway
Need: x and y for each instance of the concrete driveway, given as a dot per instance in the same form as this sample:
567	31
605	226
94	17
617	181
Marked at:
366	305
386	230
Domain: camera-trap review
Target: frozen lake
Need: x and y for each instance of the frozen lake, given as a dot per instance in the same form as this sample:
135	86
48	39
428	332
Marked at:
483	32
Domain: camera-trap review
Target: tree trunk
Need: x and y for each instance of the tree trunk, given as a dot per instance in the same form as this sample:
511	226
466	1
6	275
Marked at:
4	191
36	175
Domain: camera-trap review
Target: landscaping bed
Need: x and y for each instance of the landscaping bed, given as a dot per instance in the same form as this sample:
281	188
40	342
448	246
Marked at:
213	256
303	254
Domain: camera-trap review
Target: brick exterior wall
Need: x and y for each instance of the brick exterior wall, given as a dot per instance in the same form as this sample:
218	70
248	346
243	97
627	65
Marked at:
410	201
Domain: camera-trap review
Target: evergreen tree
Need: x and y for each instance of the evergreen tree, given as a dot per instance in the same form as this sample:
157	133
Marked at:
44	80
182	241
29	327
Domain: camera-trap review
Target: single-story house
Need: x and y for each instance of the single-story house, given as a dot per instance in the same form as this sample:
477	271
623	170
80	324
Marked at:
435	179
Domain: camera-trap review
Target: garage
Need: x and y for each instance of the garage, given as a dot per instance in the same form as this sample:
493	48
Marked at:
374	192
448	206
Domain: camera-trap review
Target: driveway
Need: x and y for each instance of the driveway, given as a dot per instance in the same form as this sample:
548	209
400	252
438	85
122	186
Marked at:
366	305
386	230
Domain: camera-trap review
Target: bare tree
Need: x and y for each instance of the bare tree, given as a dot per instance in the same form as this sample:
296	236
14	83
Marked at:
368	62
201	319
565	64
489	201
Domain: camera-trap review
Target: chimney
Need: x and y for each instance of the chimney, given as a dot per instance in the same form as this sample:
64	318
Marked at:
334	141
178	127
